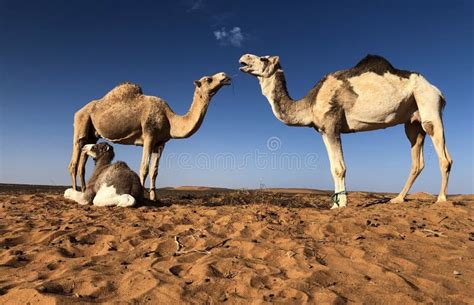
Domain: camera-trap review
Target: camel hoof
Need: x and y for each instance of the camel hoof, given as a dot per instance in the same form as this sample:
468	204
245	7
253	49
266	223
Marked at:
69	193
75	196
153	195
397	200
441	199
126	201
340	202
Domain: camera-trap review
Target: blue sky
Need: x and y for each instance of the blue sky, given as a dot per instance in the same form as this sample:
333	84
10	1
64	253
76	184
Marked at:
56	56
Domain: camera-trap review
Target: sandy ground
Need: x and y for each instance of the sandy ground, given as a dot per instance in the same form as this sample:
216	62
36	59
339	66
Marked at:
235	247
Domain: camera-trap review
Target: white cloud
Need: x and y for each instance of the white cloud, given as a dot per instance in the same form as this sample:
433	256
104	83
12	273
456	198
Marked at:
220	34
233	37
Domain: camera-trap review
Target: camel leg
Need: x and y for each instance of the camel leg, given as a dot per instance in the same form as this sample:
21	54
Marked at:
76	196
76	154
144	166
338	168
436	132
81	129
416	136
82	165
81	170
430	105
155	160
78	163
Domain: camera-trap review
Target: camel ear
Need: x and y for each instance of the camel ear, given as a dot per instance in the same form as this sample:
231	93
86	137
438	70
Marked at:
197	83
275	59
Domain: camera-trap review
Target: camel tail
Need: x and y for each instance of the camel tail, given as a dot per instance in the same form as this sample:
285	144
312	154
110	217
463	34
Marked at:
442	102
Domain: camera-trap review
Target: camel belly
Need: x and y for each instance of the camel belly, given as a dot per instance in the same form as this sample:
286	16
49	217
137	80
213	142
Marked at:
382	101
377	116
118	128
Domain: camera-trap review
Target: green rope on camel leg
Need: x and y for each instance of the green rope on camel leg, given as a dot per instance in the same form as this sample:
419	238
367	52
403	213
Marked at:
335	197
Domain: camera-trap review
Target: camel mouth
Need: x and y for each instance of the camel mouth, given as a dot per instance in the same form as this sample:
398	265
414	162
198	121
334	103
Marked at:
226	81
244	66
87	149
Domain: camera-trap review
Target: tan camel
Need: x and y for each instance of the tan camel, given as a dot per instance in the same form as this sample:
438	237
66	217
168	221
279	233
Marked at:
126	116
372	95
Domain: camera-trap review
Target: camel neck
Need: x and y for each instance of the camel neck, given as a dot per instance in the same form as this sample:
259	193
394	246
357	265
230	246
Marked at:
100	164
104	161
186	125
290	112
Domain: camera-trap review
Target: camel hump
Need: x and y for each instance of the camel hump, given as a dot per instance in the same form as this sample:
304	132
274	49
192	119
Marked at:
121	164
125	90
375	64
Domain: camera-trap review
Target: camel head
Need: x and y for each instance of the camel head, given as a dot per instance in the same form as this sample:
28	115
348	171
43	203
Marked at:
263	66
99	151
211	84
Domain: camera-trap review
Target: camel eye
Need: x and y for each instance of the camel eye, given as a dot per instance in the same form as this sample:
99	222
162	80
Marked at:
209	80
263	59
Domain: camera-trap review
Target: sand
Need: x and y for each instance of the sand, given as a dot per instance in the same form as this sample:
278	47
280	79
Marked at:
235	247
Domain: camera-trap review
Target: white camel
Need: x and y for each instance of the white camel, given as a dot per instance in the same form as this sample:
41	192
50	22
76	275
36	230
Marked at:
372	95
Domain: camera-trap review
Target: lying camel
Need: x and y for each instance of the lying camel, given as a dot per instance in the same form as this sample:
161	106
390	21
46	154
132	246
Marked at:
110	184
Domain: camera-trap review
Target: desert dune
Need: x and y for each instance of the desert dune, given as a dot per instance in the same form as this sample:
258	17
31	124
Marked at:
212	246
